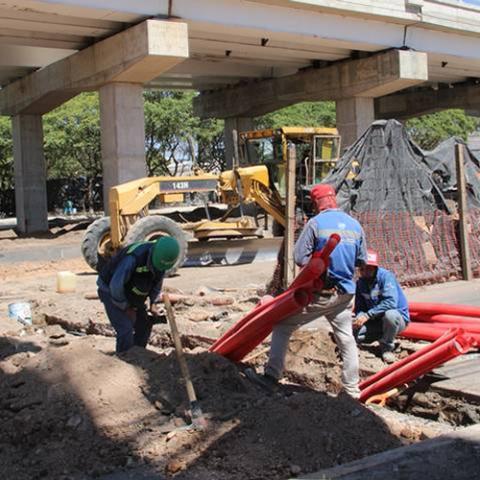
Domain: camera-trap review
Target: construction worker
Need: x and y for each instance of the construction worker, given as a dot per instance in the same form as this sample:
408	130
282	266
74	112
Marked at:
127	280
335	301
381	308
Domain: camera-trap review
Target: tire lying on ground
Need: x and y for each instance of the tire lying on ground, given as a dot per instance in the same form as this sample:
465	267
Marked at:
155	226
96	242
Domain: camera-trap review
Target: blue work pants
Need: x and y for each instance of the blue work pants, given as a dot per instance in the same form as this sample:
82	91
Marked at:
384	328
130	331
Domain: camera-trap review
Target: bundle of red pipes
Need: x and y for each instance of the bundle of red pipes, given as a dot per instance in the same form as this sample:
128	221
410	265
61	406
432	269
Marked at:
429	321
453	329
450	344
252	329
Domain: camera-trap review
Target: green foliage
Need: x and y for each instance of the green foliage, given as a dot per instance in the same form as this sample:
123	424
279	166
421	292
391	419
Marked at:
429	130
173	134
307	114
72	138
72	142
6	154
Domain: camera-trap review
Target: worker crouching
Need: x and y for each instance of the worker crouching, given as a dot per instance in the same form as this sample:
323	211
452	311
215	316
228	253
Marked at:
133	276
381	308
336	300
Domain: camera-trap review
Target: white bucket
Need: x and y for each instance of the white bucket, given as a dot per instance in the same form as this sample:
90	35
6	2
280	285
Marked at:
66	282
21	312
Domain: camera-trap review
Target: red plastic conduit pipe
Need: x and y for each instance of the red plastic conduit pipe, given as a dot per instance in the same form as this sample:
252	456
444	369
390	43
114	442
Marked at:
259	332
291	302
317	264
468	327
444	308
234	328
258	324
425	331
446	337
441	318
419	366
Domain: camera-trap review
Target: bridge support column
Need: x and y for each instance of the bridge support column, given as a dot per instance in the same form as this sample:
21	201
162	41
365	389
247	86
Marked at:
354	116
30	174
122	125
240	124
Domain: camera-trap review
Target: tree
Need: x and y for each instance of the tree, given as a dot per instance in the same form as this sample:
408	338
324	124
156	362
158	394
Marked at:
306	114
174	137
6	154
429	130
72	142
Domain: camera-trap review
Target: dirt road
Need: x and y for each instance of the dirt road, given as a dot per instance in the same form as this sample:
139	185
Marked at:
71	409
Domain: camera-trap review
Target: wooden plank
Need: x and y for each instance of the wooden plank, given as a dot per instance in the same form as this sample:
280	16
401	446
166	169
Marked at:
463	214
289	265
440	457
463	378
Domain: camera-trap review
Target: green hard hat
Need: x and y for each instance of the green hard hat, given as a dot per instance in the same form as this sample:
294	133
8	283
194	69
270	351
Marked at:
165	253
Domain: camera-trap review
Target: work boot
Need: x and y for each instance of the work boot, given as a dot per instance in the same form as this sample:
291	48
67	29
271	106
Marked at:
388	356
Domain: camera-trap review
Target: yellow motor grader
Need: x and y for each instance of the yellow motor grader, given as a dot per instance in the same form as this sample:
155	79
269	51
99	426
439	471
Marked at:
258	178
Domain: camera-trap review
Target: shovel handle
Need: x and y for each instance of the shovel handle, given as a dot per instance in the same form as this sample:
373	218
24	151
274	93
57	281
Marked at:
179	350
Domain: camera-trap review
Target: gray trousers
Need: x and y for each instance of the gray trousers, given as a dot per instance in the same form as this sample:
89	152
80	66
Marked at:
337	309
384	328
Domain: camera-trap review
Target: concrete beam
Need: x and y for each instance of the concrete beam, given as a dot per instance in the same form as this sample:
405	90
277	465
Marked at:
30	174
375	76
408	104
136	55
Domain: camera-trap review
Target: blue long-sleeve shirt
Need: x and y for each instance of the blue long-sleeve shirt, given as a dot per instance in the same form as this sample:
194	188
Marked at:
349	253
380	294
122	275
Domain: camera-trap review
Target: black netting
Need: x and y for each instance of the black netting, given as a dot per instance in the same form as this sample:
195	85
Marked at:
406	201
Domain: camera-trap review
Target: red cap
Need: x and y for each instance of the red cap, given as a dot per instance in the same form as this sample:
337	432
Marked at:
323	195
372	258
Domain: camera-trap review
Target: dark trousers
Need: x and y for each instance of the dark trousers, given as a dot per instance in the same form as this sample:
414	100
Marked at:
384	328
129	331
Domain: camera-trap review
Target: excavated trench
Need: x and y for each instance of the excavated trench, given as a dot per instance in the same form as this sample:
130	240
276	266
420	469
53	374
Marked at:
308	368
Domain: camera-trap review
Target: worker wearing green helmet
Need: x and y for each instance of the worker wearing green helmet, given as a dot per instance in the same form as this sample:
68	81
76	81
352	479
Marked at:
133	276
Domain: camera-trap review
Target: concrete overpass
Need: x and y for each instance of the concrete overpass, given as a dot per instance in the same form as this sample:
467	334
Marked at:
396	57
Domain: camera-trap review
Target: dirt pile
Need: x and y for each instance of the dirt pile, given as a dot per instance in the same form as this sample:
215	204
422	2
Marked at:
75	410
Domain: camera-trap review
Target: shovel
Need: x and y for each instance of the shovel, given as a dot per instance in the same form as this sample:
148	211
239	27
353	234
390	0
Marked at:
198	420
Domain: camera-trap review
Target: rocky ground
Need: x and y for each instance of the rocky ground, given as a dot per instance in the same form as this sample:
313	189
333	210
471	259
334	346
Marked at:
70	408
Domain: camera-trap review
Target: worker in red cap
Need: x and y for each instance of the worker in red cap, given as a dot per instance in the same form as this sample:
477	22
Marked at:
336	299
381	308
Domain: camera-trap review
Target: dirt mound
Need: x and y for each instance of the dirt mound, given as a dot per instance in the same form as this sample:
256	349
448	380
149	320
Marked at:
77	411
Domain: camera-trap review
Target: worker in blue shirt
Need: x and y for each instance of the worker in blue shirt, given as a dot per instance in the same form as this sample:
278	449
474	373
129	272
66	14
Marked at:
381	308
127	280
336	299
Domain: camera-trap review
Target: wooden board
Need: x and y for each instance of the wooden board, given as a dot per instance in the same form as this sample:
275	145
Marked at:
452	456
464	377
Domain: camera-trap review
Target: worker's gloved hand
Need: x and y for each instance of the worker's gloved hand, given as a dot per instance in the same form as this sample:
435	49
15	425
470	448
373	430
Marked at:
360	320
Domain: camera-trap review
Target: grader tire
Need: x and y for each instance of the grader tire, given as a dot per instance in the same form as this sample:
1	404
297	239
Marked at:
96	242
155	226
